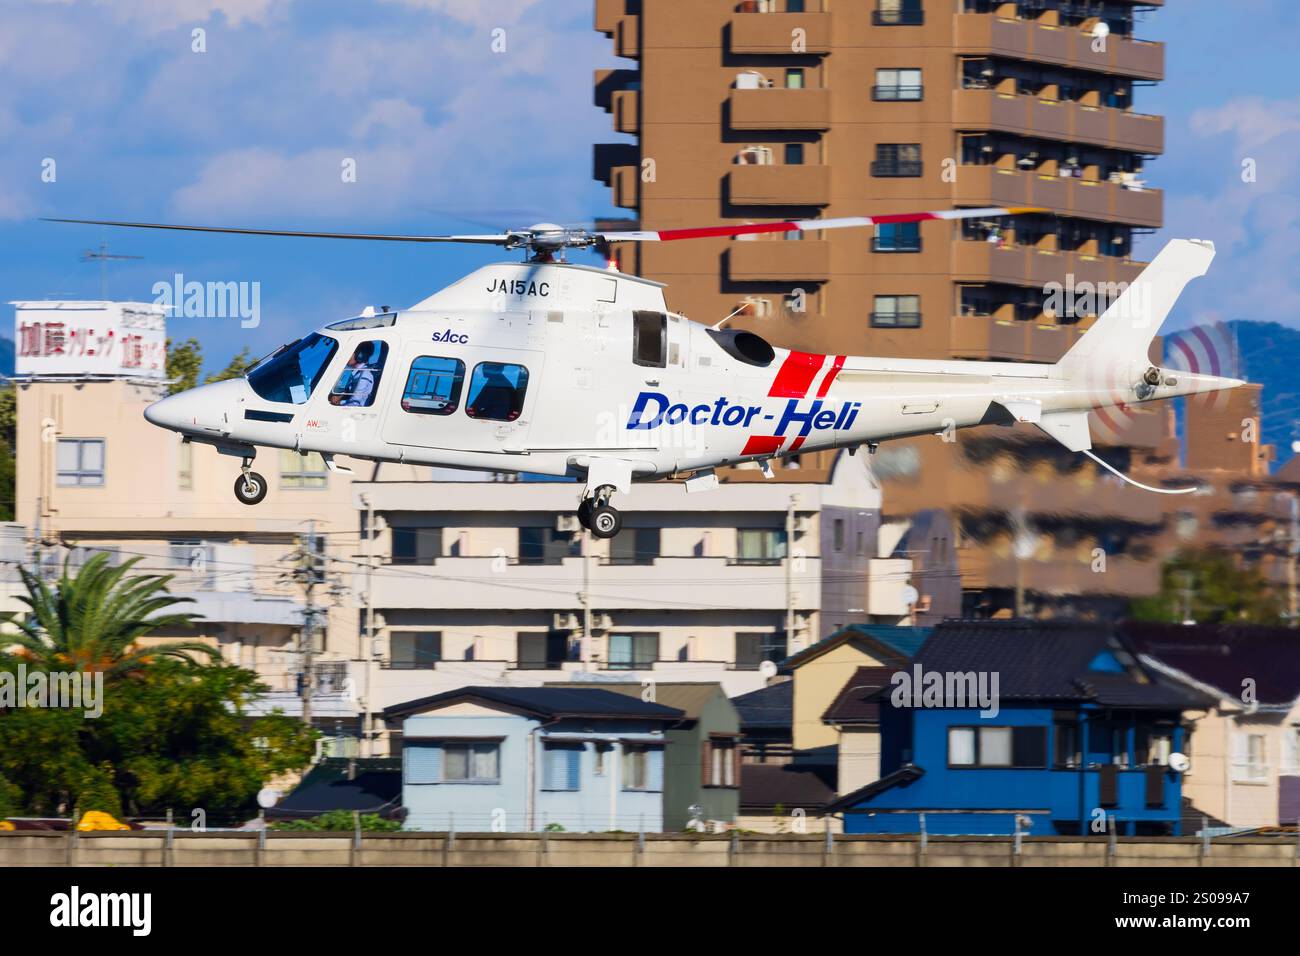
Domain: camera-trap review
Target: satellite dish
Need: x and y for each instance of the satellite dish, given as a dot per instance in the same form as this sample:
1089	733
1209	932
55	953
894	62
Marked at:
767	669
1295	447
910	595
1179	763
267	798
1102	29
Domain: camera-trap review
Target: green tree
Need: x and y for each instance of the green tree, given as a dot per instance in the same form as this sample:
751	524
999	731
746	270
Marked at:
184	362
1211	587
8	444
235	368
92	621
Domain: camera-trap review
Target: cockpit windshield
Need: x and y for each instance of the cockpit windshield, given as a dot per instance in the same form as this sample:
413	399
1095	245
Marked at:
291	375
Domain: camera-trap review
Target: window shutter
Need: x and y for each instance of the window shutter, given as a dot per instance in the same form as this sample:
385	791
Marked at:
574	763
423	763
706	761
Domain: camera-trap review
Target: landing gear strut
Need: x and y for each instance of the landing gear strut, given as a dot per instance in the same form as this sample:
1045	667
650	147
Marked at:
250	487
598	516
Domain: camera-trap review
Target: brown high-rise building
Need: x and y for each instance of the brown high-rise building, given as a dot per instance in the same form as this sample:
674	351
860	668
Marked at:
773	109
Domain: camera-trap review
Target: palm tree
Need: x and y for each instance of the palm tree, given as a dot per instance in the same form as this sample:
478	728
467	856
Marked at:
91	621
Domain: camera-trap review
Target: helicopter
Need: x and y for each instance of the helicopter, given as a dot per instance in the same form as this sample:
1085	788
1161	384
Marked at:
563	369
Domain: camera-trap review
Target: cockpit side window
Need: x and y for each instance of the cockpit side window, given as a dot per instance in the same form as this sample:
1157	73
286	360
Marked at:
360	379
650	338
292	374
496	391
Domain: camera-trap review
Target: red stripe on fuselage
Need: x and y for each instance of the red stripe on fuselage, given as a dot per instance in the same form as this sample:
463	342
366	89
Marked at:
830	376
762	445
796	375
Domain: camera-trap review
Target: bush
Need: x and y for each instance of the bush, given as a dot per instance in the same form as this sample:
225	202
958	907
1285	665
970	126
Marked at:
339	820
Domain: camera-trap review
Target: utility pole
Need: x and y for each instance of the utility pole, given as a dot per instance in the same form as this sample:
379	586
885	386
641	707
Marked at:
308	572
789	572
367	649
586	601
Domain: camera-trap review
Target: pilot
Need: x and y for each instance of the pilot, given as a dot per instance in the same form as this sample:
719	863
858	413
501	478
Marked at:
358	380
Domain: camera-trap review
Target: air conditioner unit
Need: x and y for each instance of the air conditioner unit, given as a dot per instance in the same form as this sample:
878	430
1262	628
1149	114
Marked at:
802	524
564	621
602	622
566	523
757	307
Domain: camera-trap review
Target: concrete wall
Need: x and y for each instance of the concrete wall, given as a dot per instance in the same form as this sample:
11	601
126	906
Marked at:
150	848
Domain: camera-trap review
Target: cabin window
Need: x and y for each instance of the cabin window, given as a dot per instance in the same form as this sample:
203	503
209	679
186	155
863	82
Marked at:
496	391
289	374
650	339
360	378
433	385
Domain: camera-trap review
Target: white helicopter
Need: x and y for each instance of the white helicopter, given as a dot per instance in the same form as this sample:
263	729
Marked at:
550	367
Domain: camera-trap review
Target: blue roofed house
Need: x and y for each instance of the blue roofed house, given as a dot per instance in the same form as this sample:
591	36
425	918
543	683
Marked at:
1056	724
515	759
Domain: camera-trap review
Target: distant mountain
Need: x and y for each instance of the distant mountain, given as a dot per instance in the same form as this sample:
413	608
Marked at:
1269	354
6	356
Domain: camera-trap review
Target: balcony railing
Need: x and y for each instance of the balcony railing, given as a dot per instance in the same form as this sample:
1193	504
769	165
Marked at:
895	168
896	320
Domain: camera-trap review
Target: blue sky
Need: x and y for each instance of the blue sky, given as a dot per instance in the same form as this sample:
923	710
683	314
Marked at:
449	135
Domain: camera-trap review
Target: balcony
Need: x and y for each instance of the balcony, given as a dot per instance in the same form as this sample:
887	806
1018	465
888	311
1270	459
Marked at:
627	38
1063	195
623	184
686	584
1061	574
626	107
775	33
806	109
1028	115
762	260
779	185
984	337
975	261
978	33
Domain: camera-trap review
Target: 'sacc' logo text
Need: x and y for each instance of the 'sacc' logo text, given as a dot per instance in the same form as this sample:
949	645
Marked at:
653	409
447	335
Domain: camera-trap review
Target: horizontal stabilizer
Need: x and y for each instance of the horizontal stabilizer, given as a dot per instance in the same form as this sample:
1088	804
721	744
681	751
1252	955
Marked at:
1069	428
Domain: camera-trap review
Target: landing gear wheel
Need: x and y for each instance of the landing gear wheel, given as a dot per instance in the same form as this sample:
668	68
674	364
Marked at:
605	521
584	513
250	488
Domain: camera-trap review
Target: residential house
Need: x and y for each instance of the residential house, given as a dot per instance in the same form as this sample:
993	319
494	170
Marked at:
855	714
1046	727
766	718
517	759
702	755
1245	747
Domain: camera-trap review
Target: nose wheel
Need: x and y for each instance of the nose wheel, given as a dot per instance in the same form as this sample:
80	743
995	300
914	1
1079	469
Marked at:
598	516
250	487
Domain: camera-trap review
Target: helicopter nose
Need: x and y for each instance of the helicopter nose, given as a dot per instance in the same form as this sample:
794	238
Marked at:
196	409
166	412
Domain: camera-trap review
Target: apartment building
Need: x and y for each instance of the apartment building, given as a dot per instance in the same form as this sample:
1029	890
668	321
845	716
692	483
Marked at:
746	111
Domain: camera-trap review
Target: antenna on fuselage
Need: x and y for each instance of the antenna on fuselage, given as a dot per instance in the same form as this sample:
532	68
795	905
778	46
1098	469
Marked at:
741	308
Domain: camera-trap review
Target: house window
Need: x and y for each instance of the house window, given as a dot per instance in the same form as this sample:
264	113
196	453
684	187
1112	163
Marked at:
1293	749
650	339
642	767
360	377
1067	753
80	461
633	651
635	546
897	160
599	758
752	648
794	154
545	545
414	650
422	763
471	762
562	763
433	386
720	768
1154	745
496	391
894	84
1019	747
185	473
760	545
541	651
416	545
1250	762
896	312
794	78
302	471
897	237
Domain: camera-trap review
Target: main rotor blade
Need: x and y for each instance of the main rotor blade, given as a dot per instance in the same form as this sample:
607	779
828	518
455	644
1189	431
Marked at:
495	240
811	225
